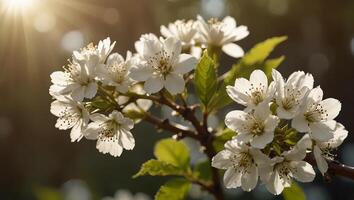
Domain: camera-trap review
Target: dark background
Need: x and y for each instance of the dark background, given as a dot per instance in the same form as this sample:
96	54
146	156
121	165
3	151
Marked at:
33	154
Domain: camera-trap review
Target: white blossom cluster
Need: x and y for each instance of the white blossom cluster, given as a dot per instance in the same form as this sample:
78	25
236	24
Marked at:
282	122
94	73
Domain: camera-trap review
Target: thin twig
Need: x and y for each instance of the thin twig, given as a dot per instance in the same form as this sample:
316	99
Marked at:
166	125
334	167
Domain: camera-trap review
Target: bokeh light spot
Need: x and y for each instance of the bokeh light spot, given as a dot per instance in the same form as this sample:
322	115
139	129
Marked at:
72	40
44	22
213	8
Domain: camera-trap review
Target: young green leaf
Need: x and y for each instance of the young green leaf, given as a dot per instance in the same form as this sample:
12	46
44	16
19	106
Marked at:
175	189
158	168
271	64
205	79
172	152
294	192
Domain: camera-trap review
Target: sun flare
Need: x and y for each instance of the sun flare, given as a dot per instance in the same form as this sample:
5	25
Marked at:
19	4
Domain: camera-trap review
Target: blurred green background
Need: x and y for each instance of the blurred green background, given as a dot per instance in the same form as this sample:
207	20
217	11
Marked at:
37	39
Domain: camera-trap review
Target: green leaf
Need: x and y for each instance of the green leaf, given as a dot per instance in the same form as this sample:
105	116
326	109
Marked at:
254	59
172	152
158	168
175	189
222	138
262	50
203	171
271	64
294	192
205	79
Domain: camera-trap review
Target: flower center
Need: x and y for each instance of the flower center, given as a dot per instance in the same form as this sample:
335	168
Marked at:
161	63
242	161
257	128
109	129
118	71
316	114
283	169
291	98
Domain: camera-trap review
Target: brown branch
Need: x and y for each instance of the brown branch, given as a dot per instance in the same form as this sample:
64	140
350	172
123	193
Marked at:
166	125
334	167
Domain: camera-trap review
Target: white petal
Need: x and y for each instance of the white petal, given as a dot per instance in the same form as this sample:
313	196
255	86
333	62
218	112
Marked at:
300	123
92	131
233	50
59	78
262	111
275	185
186	63
332	107
97	117
339	136
260	141
66	122
78	94
243	137
141	73
172	46
127	139
321	162
279	80
305	142
237	95
285	114
165	32
259	157
153	85
235	119
259	78
321	131
174	83
250	178
232	178
90	90
295	154
109	146
271	123
229	22
57	108
315	96
76	132
302	171
222	160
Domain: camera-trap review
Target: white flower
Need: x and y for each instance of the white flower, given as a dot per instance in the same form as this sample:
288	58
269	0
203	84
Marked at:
116	72
290	95
71	114
316	116
78	80
102	51
222	34
240	162
162	64
322	150
252	92
127	195
183	30
279	172
112	133
256	126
